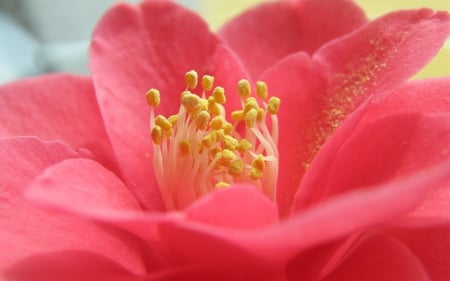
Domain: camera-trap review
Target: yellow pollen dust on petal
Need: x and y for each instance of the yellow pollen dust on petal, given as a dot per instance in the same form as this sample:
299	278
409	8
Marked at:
201	148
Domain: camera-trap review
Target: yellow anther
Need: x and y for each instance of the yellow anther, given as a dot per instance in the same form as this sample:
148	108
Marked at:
153	97
259	163
222	184
157	135
258	166
190	101
173	119
250	118
219	95
244	145
244	89
236	167
184	147
250	103
261	114
230	143
226	157
217	123
220	134
162	122
202	120
227	128
209	139
213	108
191	78
261	89
255	173
237	115
273	105
207	82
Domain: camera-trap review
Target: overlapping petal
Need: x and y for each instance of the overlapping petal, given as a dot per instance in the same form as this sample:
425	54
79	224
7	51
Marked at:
56	107
271	31
340	77
27	230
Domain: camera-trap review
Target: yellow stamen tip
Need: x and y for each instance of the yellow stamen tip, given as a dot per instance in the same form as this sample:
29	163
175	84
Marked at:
219	95
207	82
261	89
244	145
217	123
237	115
153	97
236	168
191	78
190	101
250	118
244	88
273	105
157	135
202	120
162	122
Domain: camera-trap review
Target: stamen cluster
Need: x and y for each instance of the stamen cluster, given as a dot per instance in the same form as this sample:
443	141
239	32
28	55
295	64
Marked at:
198	150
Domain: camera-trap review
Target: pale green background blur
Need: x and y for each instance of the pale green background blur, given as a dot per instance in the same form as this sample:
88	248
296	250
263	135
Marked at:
218	12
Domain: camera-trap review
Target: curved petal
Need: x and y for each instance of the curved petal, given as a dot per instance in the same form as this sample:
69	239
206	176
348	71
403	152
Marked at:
430	246
136	48
380	258
297	81
271	31
83	185
56	107
395	135
237	207
26	230
70	265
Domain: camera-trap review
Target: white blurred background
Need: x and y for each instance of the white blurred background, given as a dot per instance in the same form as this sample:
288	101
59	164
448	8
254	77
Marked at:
39	36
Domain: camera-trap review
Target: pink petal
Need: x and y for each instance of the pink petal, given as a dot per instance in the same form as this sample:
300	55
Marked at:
380	258
298	82
238	207
82	185
26	230
139	47
69	266
380	56
430	246
56	107
394	137
274	30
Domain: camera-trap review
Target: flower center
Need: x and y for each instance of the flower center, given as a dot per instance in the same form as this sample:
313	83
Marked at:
197	150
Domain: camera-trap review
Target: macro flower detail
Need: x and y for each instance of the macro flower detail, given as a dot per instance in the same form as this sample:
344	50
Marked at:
336	167
197	149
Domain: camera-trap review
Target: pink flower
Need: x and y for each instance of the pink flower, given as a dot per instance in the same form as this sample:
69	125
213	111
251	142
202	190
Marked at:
363	186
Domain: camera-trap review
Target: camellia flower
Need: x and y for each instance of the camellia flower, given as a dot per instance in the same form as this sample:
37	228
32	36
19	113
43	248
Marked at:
290	146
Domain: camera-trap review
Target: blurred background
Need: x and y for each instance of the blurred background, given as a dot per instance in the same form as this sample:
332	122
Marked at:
39	36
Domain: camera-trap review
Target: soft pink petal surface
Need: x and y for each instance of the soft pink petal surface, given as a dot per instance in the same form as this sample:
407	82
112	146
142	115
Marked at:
84	185
26	230
430	246
271	31
56	107
70	265
380	258
136	48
